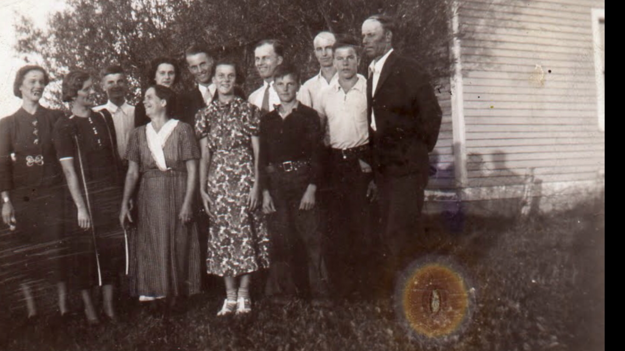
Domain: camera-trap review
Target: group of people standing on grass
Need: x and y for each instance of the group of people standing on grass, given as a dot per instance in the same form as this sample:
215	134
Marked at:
281	180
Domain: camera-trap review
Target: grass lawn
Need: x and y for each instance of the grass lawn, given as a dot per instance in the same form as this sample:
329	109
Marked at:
539	285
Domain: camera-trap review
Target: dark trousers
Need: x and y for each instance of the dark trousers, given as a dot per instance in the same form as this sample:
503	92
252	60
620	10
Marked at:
401	202
350	232
288	227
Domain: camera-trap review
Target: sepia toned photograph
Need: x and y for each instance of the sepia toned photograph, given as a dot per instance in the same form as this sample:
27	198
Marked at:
289	175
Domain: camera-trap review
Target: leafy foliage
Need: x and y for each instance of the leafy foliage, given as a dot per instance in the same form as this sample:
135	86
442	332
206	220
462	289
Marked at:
93	34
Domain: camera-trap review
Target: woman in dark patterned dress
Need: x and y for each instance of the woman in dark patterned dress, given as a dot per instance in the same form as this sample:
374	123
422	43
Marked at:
229	185
32	184
86	145
163	157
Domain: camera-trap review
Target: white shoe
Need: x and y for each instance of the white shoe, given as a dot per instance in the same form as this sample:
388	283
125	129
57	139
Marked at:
244	305
229	307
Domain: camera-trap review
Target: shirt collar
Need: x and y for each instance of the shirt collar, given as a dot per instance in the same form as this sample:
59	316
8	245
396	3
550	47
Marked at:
380	63
360	84
265	84
125	107
277	107
211	88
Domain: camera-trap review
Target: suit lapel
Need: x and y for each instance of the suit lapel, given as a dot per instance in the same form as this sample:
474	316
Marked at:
386	71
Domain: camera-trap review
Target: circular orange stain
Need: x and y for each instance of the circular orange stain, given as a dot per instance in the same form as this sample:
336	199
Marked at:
435	300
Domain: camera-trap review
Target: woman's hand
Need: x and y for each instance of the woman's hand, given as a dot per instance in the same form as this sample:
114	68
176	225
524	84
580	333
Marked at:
205	200
268	206
185	213
84	221
125	214
254	197
8	214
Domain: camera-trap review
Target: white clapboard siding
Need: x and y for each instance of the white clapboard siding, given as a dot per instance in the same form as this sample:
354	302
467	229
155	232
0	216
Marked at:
442	158
530	99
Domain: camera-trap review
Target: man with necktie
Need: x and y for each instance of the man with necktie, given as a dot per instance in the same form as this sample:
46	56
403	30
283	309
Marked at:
268	55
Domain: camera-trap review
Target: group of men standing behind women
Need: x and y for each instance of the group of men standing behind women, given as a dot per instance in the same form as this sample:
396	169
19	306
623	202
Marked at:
277	169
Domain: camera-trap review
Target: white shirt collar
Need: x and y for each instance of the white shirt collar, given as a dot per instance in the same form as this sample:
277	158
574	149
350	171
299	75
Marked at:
360	84
211	88
377	66
112	108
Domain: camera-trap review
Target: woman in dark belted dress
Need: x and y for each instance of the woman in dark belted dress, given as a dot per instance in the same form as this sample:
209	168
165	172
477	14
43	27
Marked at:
32	186
85	143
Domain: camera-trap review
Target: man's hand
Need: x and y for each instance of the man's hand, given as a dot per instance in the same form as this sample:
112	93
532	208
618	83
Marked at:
364	166
308	200
8	214
268	207
372	191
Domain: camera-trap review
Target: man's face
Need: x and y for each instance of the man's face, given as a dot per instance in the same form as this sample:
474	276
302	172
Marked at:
323	50
286	87
266	61
346	62
115	85
374	39
200	65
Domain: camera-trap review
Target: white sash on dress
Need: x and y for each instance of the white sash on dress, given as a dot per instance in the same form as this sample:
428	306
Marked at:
156	142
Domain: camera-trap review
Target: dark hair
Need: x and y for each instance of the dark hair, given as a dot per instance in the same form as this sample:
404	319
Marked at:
112	69
387	22
72	82
159	61
347	41
277	45
21	73
286	69
237	71
165	93
195	49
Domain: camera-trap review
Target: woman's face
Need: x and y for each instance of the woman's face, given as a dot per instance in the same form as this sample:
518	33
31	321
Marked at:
165	75
224	79
154	105
33	85
86	95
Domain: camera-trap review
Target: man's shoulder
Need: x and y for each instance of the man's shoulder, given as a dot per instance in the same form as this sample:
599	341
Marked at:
99	108
407	63
307	111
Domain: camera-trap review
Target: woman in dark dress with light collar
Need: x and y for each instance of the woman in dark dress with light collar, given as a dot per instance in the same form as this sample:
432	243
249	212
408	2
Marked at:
86	146
31	183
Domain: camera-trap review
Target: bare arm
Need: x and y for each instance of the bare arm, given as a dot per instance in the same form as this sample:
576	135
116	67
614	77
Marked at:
204	165
132	177
186	212
255	191
84	221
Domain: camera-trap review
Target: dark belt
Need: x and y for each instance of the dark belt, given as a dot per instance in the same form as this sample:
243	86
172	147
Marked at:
354	152
287	166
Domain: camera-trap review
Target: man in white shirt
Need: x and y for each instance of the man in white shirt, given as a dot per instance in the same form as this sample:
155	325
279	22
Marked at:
268	55
310	91
344	105
114	83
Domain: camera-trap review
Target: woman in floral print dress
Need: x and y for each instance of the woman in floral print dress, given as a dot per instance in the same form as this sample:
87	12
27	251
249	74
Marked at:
237	244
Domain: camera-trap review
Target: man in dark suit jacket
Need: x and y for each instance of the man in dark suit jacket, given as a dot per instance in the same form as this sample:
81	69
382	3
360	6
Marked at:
200	63
405	118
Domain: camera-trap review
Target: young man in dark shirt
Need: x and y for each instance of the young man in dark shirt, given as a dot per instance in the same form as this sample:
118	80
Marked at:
291	142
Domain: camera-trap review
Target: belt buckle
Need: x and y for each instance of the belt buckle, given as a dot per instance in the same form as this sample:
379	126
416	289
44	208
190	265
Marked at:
288	166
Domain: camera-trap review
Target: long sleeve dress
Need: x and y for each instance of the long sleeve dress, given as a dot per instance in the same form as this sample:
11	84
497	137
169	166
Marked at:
32	175
238	240
165	252
91	143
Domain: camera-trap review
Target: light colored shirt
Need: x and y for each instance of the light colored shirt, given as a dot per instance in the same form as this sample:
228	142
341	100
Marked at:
124	121
256	98
310	92
346	114
208	92
376	69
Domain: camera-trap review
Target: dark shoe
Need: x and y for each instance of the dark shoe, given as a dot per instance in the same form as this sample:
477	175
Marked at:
279	300
322	302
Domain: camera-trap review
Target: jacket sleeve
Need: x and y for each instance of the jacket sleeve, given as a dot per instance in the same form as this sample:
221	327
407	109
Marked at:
429	111
6	148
